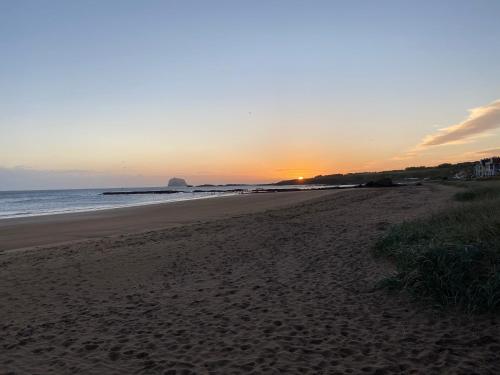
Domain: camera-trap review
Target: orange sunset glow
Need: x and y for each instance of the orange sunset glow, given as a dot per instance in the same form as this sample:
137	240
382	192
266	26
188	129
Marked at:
193	187
238	103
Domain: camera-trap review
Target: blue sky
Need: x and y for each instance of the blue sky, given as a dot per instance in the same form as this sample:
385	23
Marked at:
226	91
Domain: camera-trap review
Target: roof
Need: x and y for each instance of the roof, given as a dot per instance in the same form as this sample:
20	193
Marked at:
493	160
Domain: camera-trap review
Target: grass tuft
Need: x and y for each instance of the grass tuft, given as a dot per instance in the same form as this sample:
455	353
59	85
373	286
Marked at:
453	257
479	191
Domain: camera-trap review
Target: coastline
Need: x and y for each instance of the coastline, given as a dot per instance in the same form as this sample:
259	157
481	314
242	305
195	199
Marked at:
120	206
20	204
253	289
50	229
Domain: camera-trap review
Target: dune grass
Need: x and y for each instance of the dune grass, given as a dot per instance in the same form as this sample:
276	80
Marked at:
479	191
453	257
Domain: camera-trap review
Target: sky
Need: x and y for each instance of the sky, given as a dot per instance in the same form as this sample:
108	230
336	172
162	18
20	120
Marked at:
131	93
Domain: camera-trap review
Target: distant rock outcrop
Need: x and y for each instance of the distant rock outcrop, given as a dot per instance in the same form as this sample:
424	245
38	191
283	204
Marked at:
177	182
382	182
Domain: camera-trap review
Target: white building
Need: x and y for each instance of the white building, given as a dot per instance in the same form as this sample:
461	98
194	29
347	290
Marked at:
487	167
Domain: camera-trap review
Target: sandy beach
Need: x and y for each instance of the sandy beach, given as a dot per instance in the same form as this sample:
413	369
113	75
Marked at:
44	230
266	284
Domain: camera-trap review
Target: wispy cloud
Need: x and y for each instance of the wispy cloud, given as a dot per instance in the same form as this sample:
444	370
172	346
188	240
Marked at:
491	151
480	121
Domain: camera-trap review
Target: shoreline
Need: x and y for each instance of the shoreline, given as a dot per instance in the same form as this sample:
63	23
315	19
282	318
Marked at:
97	209
180	195
51	229
288	287
238	190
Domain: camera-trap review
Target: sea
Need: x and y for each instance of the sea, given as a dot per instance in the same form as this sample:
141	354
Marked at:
15	204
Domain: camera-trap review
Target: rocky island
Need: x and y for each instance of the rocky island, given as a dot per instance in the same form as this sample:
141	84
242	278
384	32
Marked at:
177	182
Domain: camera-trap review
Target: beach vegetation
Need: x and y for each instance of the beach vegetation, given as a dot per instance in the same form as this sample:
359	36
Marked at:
452	258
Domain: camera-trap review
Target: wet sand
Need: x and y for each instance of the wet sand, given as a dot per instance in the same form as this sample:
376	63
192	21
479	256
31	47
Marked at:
287	290
50	229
